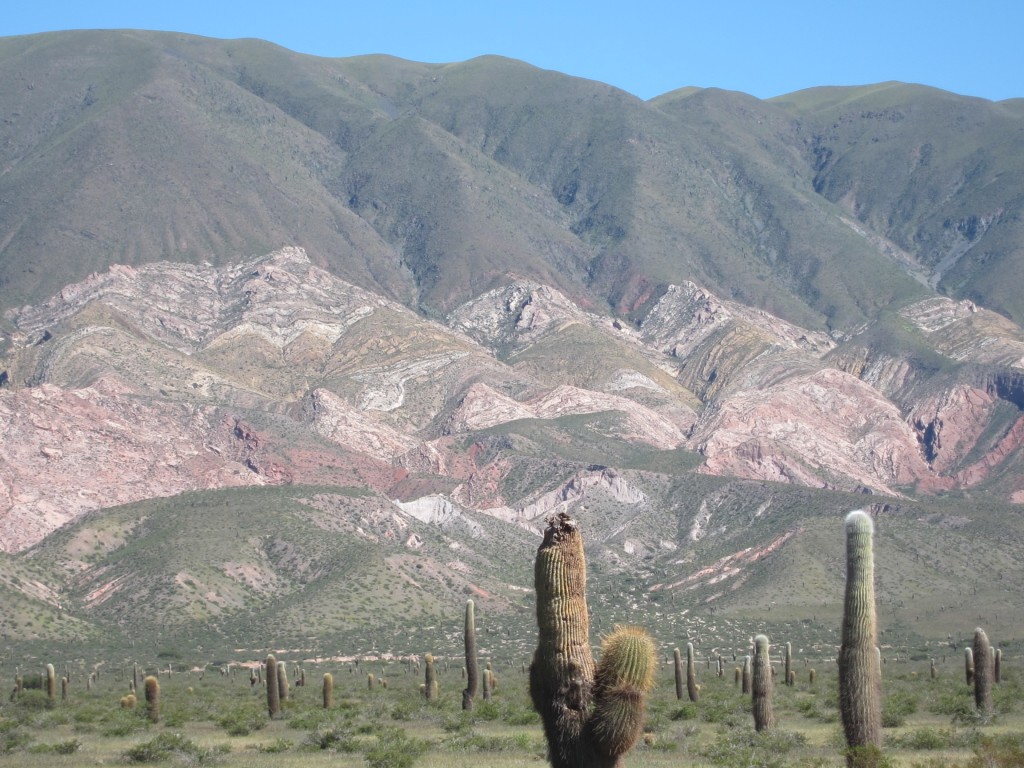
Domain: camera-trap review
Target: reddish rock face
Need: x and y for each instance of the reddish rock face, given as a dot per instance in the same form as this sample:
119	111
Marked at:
153	381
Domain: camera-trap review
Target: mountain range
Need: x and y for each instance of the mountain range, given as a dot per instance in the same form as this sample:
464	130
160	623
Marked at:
406	311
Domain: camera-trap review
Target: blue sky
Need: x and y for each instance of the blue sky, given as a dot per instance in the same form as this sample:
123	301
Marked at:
970	47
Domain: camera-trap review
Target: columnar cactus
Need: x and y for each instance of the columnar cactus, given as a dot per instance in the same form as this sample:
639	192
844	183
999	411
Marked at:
983	664
677	662
273	694
692	689
592	715
969	665
790	676
430	678
64	689
51	684
152	690
860	680
135	676
997	666
745	676
471	666
282	680
370	680
328	690
761	686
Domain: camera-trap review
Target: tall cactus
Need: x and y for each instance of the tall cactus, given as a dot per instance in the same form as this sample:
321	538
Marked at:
471	664
692	689
51	685
983	668
677	663
997	666
790	676
430	678
761	686
282	680
273	694
969	665
152	688
592	715
745	675
860	679
328	690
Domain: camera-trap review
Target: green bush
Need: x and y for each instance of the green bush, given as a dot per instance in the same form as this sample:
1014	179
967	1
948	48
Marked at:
274	747
337	739
896	707
243	721
167	745
394	749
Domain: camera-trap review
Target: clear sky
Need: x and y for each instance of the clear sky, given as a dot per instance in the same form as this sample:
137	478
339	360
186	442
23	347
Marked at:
646	47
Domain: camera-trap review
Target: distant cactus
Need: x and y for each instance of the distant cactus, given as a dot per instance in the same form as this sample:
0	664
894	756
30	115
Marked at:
677	662
135	676
51	684
745	676
969	665
430	678
370	680
469	637
692	689
64	689
983	663
592	715
789	664
811	676
486	684
152	689
737	676
273	694
761	686
997	666
328	690
932	671
860	680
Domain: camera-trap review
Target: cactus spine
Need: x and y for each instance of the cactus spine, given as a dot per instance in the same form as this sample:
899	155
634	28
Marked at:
273	694
152	690
678	664
692	689
860	679
469	635
430	678
761	686
592	715
983	664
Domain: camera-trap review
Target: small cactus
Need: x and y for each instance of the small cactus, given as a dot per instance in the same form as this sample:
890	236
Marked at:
761	686
152	689
745	676
369	680
969	665
997	666
790	675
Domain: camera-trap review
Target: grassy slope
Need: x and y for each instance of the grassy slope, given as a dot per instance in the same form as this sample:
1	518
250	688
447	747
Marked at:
430	184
